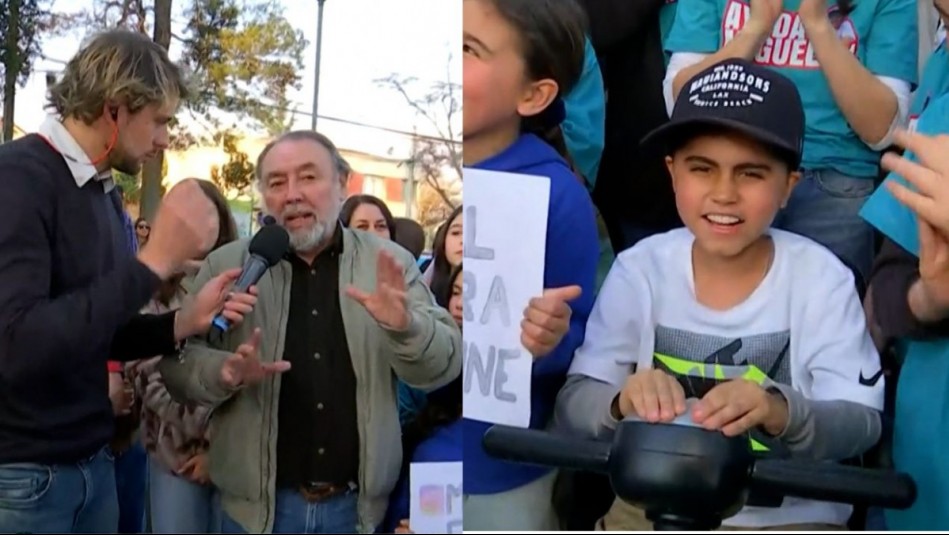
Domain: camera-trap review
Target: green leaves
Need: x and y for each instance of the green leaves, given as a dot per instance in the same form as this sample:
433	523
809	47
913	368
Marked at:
33	20
237	174
246	57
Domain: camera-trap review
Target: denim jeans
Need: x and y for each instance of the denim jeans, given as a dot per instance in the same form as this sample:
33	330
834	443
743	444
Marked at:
180	506
295	515
825	207
61	498
131	477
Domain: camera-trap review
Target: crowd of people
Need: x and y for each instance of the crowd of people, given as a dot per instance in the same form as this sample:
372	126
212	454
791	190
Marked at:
123	410
718	247
761	281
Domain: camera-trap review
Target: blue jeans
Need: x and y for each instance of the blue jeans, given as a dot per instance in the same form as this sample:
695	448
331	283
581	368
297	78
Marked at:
294	515
131	476
180	506
60	498
825	207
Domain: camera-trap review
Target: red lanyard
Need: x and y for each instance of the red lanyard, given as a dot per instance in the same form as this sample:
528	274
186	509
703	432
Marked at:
95	162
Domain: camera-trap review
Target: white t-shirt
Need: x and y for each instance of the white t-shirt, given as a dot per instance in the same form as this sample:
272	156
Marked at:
803	326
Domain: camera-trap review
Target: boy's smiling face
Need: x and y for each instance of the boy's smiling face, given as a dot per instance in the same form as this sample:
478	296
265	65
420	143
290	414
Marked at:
728	190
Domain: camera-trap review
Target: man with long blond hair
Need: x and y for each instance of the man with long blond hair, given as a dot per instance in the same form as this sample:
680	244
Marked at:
70	288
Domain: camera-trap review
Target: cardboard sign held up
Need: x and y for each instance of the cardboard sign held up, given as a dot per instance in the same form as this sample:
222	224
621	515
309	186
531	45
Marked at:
504	247
436	504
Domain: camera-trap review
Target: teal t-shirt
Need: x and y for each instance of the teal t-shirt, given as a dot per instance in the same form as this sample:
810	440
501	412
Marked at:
921	423
933	84
584	128
882	33
667	16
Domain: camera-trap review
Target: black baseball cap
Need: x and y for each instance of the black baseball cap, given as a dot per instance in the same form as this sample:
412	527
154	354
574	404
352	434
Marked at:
739	95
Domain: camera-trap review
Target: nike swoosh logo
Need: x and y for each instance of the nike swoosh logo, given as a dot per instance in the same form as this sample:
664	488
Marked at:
872	381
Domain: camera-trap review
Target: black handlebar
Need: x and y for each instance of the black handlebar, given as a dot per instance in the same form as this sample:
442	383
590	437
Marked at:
529	446
834	482
689	478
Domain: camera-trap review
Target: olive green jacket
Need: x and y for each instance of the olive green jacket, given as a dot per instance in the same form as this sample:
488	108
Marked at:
244	422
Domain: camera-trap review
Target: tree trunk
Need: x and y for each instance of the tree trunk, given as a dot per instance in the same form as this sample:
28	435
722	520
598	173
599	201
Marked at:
11	70
151	171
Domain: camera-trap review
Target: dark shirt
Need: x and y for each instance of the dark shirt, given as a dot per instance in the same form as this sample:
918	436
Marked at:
895	270
633	187
317	433
69	301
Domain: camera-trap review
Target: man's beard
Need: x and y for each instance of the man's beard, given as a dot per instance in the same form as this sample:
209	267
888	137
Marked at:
305	240
120	161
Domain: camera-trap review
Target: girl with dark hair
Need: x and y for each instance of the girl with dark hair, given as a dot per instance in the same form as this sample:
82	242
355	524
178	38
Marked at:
435	433
142	229
520	58
182	499
368	213
447	249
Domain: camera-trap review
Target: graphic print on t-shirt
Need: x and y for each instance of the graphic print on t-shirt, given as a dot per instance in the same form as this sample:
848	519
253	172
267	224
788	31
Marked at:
702	361
788	45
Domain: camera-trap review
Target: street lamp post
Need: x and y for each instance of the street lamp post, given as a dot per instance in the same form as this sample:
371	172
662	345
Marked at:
316	74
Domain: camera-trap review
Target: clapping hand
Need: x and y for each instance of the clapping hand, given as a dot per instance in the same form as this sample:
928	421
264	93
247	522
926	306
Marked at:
813	11
929	177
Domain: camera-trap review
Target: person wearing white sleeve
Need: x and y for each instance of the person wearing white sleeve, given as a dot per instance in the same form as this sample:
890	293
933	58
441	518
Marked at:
855	64
752	330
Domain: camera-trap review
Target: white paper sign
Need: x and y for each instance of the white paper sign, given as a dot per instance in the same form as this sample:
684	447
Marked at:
436	497
504	246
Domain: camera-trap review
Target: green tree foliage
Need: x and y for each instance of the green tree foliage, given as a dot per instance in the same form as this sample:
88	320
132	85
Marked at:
237	174
245	57
131	185
21	24
32	18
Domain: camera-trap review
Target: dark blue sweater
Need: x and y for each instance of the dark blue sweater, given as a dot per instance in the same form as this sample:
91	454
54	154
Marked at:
70	294
571	258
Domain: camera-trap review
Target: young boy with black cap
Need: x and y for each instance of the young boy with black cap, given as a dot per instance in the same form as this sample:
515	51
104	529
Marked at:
739	327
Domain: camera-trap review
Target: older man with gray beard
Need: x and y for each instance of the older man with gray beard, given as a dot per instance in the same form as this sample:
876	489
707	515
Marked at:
305	427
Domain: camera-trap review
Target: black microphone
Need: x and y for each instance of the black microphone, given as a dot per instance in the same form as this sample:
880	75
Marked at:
267	247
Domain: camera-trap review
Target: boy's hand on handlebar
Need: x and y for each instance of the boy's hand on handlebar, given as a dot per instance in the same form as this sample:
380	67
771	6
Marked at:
739	405
653	395
404	527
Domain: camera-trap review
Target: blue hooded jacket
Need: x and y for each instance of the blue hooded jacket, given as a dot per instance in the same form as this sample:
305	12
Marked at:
572	253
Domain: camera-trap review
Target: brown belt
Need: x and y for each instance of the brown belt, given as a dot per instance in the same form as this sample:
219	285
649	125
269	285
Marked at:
320	492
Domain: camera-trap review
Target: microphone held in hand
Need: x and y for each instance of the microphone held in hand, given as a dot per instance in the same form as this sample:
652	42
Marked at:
266	249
